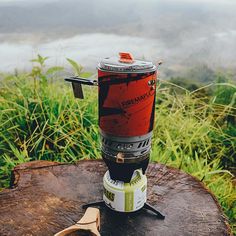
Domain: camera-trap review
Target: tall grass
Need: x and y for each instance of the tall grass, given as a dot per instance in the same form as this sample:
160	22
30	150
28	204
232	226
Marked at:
41	120
189	135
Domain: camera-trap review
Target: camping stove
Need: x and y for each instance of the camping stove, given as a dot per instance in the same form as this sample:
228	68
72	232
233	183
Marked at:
126	94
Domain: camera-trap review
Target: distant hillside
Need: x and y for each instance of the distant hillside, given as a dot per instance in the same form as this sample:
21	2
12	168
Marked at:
183	33
173	21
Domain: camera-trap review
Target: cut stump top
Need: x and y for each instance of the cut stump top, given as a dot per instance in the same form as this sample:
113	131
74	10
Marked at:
46	197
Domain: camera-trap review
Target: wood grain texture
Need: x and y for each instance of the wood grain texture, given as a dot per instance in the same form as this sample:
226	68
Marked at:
46	197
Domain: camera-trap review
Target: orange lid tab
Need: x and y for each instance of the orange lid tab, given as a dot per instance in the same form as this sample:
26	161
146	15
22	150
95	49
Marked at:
126	57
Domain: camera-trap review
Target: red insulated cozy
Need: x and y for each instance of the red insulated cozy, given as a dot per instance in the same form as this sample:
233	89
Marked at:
126	96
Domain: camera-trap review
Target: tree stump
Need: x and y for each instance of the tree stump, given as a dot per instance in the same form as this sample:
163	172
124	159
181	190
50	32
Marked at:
46	197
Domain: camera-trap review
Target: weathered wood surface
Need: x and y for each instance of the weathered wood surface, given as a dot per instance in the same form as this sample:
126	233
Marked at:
46	197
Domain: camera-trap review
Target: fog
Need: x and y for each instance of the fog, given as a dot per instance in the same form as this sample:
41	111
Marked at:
182	33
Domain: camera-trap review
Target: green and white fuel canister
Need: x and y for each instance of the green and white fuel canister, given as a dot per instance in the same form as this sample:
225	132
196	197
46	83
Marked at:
125	197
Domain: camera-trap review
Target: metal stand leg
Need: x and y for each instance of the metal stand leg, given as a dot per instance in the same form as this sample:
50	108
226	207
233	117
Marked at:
151	208
146	206
99	203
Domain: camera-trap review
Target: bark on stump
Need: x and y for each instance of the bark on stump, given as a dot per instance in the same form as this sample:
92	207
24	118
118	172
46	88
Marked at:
46	197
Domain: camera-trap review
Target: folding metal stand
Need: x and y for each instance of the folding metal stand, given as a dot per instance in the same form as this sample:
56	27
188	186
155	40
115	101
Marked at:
145	207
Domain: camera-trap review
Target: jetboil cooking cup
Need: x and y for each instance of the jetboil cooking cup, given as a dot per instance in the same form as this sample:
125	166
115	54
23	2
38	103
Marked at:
126	94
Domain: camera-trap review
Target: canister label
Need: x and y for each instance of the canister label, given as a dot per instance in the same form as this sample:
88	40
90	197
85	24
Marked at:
125	197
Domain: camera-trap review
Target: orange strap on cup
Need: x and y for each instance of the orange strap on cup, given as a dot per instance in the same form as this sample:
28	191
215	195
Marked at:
126	57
